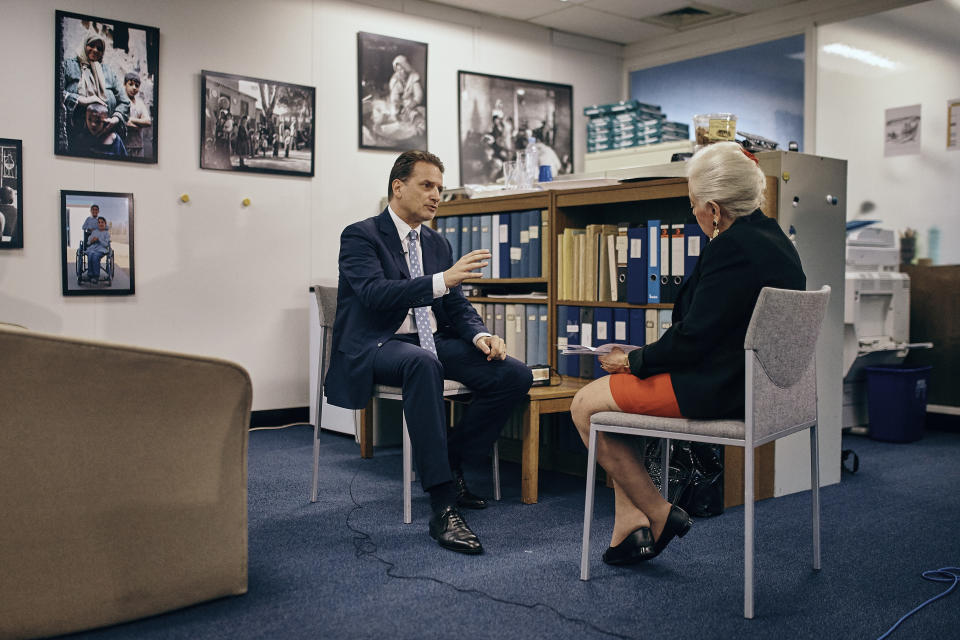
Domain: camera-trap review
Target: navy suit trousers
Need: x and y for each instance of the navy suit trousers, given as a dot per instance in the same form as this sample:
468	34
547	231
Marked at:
497	387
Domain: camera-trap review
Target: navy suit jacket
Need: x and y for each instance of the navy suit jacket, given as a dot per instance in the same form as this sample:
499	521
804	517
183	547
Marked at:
375	293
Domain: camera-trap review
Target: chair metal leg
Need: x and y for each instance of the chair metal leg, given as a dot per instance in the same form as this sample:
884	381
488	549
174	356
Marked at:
316	461
665	470
315	485
321	372
588	504
407	475
748	522
496	471
815	492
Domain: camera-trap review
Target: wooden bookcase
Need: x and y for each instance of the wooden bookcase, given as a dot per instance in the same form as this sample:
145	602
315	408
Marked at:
635	202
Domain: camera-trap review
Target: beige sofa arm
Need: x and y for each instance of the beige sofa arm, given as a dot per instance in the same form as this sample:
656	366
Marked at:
124	482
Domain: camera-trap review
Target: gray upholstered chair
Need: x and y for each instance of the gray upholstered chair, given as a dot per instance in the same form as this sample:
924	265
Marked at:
780	398
327	304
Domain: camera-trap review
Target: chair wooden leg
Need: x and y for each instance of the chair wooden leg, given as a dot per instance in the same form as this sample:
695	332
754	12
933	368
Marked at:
407	475
815	492
496	470
366	430
748	522
588	504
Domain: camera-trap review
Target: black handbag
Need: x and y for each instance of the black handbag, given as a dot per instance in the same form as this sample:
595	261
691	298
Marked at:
696	474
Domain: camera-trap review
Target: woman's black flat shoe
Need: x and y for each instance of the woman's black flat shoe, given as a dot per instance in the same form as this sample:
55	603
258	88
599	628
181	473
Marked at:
677	525
636	547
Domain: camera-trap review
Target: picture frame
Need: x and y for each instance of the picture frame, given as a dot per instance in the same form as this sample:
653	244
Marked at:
100	62
256	125
79	234
11	193
391	93
497	114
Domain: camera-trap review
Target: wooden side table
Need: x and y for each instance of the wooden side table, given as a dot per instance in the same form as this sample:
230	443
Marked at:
541	401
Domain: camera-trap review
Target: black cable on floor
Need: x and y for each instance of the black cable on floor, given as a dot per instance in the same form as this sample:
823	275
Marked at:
364	546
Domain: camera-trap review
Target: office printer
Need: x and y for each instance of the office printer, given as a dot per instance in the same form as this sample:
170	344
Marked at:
876	314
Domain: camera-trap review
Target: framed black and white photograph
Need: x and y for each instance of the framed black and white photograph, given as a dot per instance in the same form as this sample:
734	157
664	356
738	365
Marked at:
11	194
392	92
97	243
499	115
252	124
107	88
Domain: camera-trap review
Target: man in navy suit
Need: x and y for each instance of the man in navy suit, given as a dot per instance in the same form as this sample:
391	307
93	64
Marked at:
402	320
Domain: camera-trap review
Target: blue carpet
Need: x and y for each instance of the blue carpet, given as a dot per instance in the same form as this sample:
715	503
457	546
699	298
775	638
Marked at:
346	567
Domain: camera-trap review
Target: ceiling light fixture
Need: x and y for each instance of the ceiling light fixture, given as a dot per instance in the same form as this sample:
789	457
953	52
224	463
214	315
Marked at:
860	55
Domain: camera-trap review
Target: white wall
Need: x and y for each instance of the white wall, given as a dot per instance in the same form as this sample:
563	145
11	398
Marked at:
916	191
213	277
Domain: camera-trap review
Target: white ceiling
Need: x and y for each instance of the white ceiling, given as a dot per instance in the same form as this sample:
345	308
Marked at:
619	21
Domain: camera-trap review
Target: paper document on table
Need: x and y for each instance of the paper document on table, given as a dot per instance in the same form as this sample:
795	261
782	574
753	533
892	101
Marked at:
573	349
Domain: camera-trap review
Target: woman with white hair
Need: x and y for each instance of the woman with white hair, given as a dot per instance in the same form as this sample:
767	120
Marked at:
86	80
696	369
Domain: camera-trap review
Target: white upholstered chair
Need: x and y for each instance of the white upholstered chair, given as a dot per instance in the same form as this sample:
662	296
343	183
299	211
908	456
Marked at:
780	399
327	304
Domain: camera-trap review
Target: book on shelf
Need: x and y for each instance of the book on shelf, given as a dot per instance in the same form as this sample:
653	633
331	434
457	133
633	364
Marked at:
486	238
607	263
516	250
622	245
578	259
531	312
544	238
503	245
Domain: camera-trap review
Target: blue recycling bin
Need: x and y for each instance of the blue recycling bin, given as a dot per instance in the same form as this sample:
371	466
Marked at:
897	402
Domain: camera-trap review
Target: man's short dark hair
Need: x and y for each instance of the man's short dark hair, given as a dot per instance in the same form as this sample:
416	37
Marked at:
403	167
131	75
6	195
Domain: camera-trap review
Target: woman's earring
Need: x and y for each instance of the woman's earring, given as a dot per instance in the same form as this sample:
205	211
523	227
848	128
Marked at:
716	229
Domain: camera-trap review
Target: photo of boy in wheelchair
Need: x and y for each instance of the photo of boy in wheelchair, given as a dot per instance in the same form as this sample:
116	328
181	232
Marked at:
93	248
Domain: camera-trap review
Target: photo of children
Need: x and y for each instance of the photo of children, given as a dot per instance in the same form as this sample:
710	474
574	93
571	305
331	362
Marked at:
97	241
106	88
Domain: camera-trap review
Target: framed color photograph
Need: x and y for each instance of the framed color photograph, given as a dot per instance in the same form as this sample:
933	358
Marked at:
392	92
499	115
96	231
11	194
251	124
107	88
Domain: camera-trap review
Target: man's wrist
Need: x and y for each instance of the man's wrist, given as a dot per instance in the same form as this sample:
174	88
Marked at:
482	334
439	285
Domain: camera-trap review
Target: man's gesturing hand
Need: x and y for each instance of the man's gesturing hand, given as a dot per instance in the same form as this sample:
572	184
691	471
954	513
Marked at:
466	267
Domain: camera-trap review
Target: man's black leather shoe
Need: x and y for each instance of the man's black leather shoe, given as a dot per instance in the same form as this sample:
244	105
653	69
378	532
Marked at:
466	499
450	530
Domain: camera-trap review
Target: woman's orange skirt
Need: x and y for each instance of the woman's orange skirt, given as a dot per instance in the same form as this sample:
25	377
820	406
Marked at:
651	396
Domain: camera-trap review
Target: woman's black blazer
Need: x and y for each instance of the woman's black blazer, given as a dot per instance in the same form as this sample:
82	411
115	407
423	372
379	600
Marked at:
703	349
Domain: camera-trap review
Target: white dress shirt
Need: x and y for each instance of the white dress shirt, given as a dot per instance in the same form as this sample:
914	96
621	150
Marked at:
440	289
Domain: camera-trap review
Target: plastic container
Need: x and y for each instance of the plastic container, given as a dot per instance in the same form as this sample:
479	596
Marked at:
897	401
714	127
